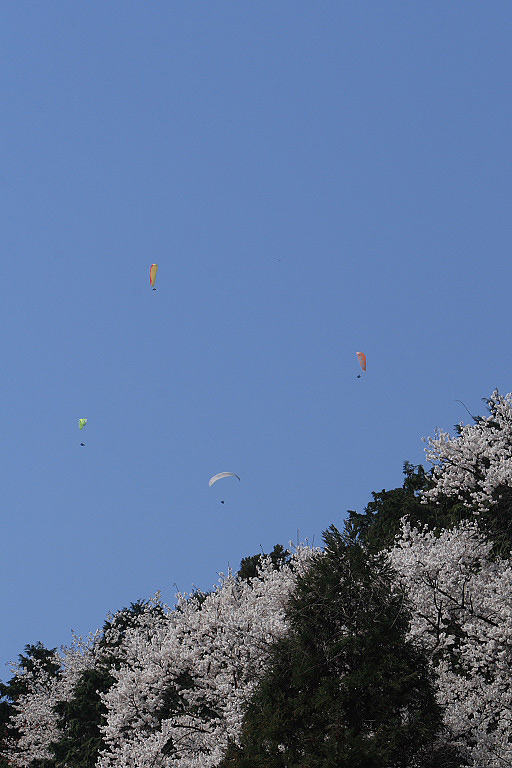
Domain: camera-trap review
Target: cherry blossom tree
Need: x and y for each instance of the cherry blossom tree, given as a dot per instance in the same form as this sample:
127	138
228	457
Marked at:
35	658
179	694
180	675
476	465
45	685
462	601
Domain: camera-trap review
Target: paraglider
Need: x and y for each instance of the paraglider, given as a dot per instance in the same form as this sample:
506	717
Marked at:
81	425
362	362
152	275
214	479
220	476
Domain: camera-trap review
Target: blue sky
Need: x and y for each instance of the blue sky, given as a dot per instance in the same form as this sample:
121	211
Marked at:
313	179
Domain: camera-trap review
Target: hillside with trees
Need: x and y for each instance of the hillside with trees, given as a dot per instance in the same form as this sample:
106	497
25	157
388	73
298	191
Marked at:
390	646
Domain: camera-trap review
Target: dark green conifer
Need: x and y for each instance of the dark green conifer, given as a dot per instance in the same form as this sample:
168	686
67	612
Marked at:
380	522
80	718
344	688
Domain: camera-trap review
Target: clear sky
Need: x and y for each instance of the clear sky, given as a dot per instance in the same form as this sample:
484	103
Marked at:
313	179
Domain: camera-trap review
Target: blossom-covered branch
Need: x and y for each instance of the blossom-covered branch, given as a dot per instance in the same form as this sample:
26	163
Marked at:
476	465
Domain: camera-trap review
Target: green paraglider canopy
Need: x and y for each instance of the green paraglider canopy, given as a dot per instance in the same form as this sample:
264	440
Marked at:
82	423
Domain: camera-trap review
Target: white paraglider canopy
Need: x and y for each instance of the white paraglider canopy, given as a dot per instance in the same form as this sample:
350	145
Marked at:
214	479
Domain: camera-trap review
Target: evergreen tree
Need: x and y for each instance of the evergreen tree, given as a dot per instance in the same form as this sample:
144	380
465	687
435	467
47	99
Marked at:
80	719
378	525
380	522
344	687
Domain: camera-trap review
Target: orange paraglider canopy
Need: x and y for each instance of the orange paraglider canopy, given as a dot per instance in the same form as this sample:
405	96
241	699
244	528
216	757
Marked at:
362	360
152	274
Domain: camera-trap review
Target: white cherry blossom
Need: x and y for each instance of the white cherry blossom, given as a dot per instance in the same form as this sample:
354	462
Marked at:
462	614
476	464
210	652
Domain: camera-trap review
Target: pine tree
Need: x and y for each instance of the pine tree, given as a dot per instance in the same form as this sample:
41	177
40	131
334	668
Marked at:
344	687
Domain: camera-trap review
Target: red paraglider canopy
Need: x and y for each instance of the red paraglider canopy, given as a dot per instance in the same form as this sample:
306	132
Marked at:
362	360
